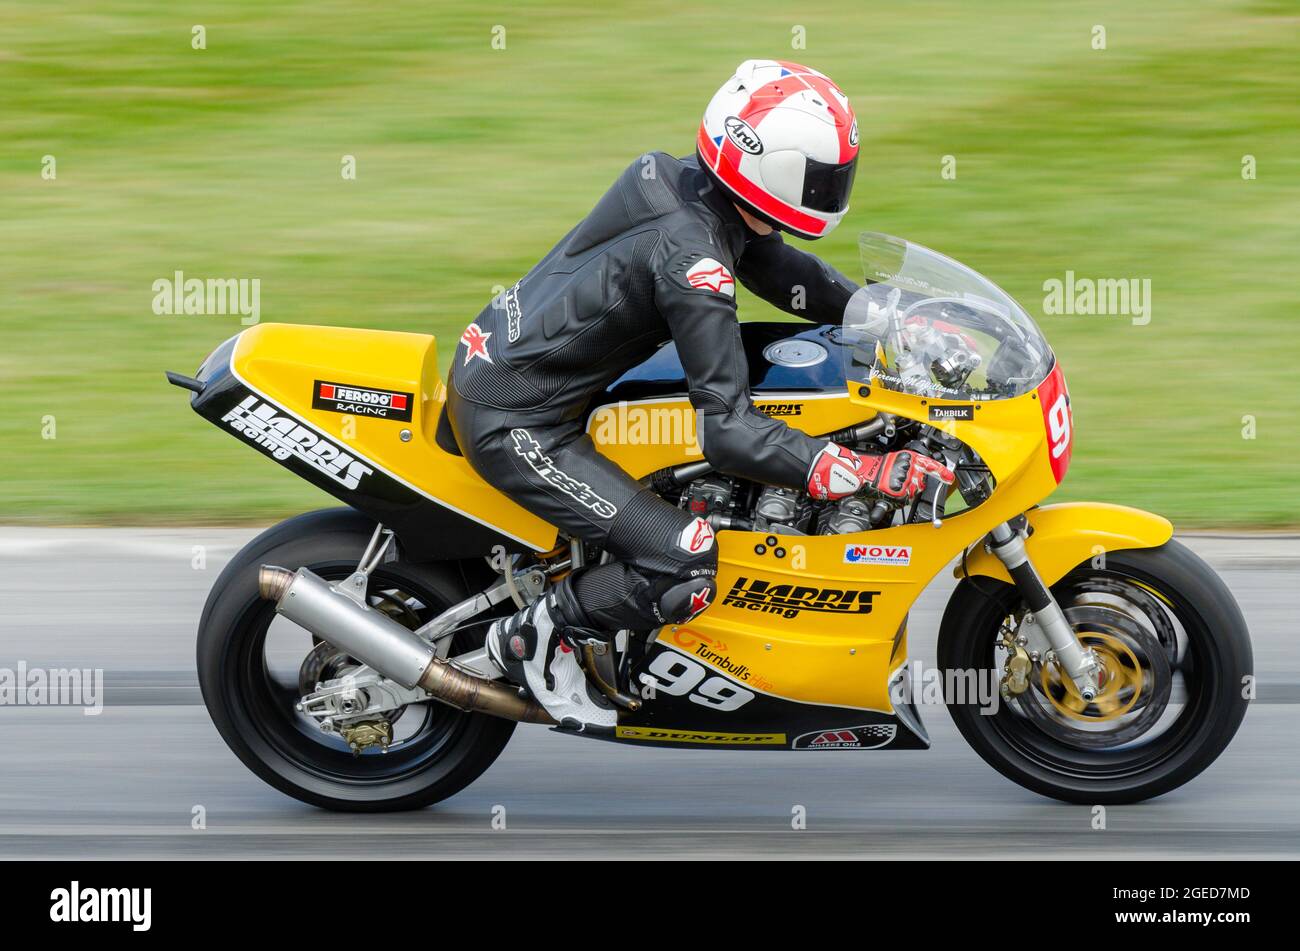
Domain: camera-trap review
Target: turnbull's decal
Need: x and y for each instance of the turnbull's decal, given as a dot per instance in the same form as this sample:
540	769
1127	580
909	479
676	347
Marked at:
283	438
362	400
878	554
788	600
715	652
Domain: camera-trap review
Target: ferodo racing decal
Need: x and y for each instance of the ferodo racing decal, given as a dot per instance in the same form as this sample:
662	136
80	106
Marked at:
282	438
1058	421
362	400
710	275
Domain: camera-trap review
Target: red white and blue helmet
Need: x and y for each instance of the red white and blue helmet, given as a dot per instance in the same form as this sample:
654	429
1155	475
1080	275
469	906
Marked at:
783	141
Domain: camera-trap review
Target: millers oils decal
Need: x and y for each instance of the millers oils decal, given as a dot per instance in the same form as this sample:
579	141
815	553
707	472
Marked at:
362	401
848	738
283	437
788	600
691	736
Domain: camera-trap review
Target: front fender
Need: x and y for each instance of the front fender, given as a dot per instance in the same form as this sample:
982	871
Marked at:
1068	534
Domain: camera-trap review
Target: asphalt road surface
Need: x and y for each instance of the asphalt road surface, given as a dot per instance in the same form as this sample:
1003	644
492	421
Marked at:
127	783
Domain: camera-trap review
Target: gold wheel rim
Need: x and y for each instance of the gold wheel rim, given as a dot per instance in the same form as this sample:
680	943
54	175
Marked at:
1121	671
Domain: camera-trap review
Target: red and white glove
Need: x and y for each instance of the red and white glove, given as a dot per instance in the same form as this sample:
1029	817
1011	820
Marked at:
838	472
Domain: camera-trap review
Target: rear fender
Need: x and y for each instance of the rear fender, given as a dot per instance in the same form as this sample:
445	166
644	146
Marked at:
1066	535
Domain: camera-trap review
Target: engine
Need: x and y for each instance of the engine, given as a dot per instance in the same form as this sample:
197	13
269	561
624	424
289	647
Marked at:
729	502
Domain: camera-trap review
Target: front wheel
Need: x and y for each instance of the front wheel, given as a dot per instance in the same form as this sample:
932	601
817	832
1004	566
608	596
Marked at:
254	665
1177	662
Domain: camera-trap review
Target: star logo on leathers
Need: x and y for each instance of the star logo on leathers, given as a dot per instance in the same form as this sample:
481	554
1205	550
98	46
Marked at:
475	341
711	275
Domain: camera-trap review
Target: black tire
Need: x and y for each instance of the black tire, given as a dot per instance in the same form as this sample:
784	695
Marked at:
1214	661
255	715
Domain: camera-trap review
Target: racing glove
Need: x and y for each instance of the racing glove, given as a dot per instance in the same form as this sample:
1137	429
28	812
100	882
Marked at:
838	472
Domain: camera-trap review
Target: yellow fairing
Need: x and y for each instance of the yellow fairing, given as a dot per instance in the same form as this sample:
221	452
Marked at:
283	362
1071	533
642	436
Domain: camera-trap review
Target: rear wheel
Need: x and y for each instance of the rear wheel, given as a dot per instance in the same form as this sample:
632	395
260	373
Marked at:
1175	653
252	663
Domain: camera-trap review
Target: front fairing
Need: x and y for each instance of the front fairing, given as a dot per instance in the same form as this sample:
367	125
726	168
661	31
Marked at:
929	326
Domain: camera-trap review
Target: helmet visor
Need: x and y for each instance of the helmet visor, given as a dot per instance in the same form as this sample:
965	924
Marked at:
826	187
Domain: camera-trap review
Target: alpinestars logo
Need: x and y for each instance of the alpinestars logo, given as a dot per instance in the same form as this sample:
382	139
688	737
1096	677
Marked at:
510	301
362	401
475	341
788	600
544	466
696	537
283	437
869	737
710	275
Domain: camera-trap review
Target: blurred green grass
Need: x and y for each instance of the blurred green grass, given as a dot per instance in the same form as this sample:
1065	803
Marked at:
224	162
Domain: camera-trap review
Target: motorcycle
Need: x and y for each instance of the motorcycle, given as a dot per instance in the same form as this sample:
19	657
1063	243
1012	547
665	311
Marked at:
340	653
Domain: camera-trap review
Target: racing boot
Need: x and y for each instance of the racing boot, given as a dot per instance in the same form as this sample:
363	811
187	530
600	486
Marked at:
531	649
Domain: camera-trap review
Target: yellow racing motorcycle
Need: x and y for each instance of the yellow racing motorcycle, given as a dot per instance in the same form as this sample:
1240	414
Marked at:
1085	654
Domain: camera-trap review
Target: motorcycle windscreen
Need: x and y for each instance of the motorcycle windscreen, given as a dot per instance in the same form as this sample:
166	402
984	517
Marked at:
927	325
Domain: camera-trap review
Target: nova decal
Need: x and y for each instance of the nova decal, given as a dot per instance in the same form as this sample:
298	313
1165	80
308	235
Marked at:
283	437
532	453
878	554
362	401
788	600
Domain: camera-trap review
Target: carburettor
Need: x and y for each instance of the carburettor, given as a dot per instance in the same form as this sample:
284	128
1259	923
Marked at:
782	511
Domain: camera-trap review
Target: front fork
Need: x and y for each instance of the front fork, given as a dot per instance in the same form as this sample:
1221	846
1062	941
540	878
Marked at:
1082	665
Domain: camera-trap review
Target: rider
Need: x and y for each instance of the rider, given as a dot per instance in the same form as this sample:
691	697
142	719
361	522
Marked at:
657	259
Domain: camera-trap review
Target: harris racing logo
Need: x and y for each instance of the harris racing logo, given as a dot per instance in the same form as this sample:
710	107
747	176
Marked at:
531	451
362	401
787	600
283	438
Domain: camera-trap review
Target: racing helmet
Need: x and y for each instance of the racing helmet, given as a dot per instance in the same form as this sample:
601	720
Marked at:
782	141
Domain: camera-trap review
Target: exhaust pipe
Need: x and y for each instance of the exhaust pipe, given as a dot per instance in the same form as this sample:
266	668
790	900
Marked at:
379	642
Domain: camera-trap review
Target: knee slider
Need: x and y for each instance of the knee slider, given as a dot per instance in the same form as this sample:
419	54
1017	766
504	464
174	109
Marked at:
685	600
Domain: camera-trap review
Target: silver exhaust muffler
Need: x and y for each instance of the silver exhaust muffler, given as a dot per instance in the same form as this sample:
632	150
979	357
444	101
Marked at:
382	644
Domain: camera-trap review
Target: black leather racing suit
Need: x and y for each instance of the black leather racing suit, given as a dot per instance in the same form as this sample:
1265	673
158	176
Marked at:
653	260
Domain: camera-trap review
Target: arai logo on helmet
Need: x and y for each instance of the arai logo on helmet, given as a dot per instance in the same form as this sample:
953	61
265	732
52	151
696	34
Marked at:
853	134
742	133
